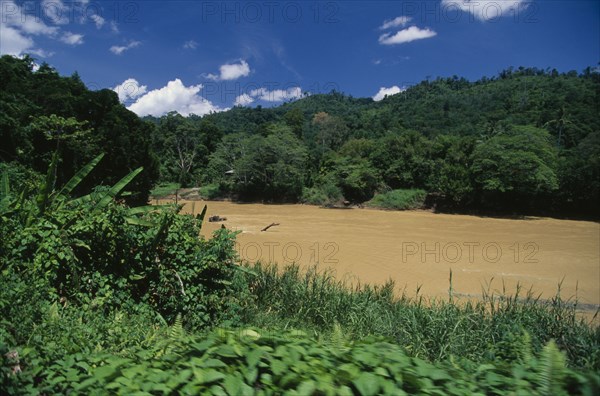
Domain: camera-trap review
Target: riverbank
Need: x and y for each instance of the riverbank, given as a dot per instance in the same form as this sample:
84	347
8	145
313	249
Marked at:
173	194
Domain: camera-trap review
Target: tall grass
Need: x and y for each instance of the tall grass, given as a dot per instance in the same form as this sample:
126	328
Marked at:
492	327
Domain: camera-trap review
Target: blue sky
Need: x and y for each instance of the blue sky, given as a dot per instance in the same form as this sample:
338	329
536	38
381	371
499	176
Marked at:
202	56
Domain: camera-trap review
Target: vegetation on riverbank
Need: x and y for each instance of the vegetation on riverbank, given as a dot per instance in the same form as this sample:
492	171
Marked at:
97	296
399	200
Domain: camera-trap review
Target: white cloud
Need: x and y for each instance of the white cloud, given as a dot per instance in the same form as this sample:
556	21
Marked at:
98	20
406	36
396	22
231	71
114	27
130	89
118	49
484	10
72	38
383	92
29	24
16	29
173	97
12	42
190	44
277	95
19	26
243	100
41	53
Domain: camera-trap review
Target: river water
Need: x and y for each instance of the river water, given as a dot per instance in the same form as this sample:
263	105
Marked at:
418	248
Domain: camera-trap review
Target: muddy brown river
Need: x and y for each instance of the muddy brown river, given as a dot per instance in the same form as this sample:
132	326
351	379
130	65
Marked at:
418	248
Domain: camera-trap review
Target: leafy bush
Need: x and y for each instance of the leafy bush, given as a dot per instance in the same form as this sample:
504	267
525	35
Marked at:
251	362
325	194
211	191
399	200
20	175
94	251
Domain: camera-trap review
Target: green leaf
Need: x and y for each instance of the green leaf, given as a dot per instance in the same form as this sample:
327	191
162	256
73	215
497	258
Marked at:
207	376
117	188
249	333
235	385
5	186
200	217
140	222
45	190
367	384
254	356
307	387
79	176
147	209
278	367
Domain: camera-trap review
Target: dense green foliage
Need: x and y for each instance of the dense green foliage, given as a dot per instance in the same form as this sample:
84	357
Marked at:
253	363
399	200
42	112
527	140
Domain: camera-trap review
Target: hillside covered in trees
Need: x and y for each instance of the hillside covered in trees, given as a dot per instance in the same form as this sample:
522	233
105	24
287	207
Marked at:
525	141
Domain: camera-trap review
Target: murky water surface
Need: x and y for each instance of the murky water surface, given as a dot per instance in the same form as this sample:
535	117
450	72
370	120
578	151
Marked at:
420	248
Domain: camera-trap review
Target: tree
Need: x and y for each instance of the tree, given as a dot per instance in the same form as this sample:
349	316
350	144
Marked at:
579	176
517	166
403	160
295	119
357	178
451	169
70	139
331	131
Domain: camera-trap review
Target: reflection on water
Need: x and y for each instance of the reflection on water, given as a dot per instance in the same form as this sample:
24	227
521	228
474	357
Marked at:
420	248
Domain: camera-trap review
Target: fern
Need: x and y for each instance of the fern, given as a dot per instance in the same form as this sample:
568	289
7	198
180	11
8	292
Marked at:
552	369
176	333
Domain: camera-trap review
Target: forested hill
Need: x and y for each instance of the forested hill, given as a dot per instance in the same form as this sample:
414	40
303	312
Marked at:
527	140
524	141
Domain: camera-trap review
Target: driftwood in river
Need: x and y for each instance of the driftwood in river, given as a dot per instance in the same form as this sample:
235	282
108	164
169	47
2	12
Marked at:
269	226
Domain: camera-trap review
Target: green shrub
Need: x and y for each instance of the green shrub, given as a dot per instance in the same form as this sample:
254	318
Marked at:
21	176
399	200
249	362
325	194
164	189
211	191
94	251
